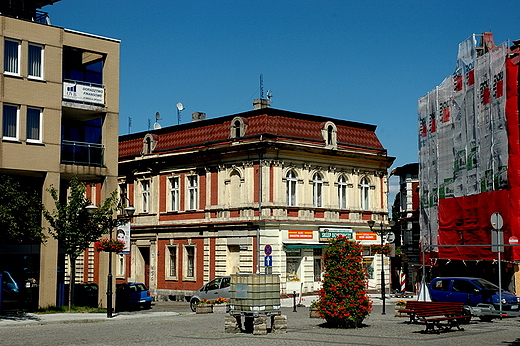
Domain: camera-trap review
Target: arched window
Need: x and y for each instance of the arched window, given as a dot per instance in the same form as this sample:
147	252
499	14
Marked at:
237	125
365	188
291	188
317	190
342	192
330	130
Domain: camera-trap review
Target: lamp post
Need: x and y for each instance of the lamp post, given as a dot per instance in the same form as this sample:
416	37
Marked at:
381	233
128	212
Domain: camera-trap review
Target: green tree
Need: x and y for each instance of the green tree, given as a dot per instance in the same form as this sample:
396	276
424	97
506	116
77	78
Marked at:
344	300
74	227
20	213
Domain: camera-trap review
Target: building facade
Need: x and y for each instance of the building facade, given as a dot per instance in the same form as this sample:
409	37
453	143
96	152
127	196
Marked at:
259	191
468	165
60	107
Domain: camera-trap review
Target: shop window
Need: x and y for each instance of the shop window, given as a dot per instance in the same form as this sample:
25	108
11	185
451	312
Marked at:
293	262
318	268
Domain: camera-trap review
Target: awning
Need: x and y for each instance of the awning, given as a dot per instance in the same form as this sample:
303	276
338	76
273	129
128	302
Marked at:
305	245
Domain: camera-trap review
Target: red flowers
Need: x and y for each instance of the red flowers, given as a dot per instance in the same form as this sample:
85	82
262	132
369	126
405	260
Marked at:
109	245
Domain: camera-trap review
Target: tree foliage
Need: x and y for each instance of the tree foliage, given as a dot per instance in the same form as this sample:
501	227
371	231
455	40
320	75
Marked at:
344	300
20	213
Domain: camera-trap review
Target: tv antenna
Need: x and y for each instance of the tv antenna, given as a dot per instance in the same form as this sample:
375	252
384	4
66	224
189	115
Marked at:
180	107
156	125
261	86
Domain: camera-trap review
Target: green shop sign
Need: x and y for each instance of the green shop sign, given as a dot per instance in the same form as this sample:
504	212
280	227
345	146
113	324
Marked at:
330	233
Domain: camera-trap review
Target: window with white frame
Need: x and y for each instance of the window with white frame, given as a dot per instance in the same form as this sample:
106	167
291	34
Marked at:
12	57
174	193
192	192
317	189
145	196
365	188
34	124
342	192
10	121
171	262
121	265
189	261
291	182
35	61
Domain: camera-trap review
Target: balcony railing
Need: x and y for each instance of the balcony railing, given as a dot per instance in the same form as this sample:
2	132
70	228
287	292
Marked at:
80	153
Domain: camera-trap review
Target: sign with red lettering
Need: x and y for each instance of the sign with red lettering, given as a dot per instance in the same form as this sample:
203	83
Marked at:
293	234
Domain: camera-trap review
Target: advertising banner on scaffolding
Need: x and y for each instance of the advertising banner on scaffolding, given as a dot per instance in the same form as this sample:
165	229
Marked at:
464	151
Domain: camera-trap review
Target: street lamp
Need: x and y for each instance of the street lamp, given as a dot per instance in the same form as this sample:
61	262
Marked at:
381	233
128	212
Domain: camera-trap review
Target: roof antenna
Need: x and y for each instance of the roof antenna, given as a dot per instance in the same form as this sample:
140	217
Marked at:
261	86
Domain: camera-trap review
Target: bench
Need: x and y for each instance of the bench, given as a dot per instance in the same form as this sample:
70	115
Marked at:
437	316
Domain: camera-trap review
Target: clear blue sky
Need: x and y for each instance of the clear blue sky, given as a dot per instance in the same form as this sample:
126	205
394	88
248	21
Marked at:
365	61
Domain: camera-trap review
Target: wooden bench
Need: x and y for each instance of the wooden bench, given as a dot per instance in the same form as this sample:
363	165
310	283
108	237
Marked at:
437	316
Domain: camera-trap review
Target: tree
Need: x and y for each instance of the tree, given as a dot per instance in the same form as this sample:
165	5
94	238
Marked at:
74	227
20	213
344	300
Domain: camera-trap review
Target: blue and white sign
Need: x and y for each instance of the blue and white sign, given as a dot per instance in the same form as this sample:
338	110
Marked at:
268	261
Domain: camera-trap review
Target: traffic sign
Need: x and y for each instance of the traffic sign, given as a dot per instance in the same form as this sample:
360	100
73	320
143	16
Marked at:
268	261
268	249
513	240
496	221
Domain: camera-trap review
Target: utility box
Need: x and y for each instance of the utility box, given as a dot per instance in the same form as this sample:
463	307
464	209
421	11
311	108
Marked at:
255	292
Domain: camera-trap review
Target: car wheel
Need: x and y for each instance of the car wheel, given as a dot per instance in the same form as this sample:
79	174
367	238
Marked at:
193	303
486	318
147	305
466	319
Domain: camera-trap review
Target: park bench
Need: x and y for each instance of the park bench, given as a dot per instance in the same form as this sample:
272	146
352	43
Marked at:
437	316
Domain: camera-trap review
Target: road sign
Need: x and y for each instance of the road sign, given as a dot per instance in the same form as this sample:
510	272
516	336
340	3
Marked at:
268	249
496	221
513	240
268	261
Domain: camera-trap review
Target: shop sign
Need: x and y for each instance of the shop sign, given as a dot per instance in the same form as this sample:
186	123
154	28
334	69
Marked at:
366	236
297	234
330	233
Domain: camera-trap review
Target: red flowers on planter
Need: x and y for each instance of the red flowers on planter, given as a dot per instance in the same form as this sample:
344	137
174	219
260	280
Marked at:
109	245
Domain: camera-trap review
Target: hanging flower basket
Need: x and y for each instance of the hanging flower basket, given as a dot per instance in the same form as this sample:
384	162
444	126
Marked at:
109	245
381	249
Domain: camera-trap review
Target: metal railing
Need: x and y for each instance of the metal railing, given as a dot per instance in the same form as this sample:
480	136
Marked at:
81	153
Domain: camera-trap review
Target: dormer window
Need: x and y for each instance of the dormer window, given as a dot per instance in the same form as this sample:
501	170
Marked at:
238	127
149	143
329	132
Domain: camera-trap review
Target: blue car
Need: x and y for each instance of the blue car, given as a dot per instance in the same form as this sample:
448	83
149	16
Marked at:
480	296
132	295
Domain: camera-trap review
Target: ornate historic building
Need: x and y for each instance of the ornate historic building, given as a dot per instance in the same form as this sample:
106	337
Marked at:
213	196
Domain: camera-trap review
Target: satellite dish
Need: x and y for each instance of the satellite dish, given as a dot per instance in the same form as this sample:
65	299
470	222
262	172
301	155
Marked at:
157	116
390	237
156	126
180	106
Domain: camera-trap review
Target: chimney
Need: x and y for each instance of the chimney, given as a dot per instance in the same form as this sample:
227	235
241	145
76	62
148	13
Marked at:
197	116
261	103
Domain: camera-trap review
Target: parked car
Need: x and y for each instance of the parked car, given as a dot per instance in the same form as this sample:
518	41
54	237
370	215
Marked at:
480	297
218	287
8	283
85	294
132	295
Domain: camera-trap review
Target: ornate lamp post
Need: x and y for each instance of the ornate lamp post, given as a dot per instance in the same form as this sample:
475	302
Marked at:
128	212
381	233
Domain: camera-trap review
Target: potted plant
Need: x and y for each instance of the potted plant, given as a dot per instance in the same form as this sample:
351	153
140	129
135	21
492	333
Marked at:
204	307
220	305
313	310
400	304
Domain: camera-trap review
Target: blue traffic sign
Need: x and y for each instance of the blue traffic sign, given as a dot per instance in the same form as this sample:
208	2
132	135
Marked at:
268	261
268	249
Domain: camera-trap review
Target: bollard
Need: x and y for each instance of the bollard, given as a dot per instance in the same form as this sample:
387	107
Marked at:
294	301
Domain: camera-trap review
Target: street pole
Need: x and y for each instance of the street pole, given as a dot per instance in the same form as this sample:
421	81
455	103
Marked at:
109	282
383	296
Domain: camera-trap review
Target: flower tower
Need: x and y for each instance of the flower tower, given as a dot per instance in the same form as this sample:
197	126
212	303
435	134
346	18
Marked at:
344	301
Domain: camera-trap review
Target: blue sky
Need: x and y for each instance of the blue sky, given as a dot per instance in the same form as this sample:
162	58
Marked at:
365	61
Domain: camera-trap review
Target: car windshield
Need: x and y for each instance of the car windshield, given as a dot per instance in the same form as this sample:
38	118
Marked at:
485	285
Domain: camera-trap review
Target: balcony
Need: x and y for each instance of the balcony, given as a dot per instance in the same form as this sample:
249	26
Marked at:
83	92
81	153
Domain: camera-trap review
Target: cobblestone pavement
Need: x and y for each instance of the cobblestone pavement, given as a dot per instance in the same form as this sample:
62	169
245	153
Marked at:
170	323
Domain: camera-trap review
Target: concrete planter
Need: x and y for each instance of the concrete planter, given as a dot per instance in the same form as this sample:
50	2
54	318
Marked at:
204	309
220	308
314	313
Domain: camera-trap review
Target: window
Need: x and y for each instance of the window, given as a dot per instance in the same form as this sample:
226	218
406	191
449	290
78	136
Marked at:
317	190
292	265
12	57
365	188
189	263
145	200
342	192
35	61
192	192
121	265
10	122
291	188
171	265
34	124
174	194
317	264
